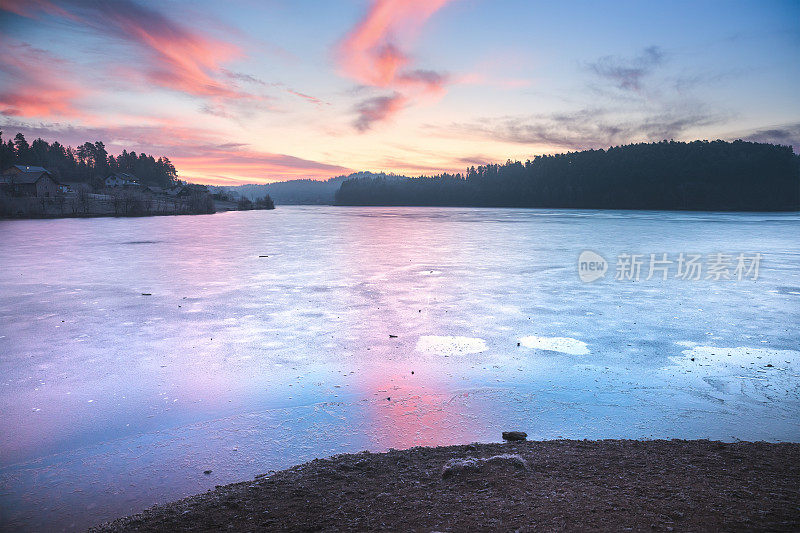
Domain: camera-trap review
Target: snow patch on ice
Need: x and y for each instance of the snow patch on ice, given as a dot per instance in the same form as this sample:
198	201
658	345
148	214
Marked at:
744	356
566	345
445	345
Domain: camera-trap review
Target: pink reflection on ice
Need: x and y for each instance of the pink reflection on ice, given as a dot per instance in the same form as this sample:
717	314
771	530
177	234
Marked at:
410	403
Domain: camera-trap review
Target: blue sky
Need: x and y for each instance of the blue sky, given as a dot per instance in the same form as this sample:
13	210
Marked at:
261	91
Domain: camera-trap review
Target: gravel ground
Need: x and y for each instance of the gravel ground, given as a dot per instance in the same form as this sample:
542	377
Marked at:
562	485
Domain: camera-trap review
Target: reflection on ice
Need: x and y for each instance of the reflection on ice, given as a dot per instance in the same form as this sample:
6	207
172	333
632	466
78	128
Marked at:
565	345
444	345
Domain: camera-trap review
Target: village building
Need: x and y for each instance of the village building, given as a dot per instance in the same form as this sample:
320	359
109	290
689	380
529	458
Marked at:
121	179
152	189
176	190
26	180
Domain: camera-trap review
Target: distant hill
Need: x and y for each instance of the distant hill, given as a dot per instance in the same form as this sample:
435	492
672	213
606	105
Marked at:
299	192
668	175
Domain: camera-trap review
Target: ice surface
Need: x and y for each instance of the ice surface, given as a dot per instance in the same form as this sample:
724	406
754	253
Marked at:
336	342
556	344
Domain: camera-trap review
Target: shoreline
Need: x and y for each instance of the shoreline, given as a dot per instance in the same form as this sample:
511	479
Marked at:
113	215
653	485
100	215
218	211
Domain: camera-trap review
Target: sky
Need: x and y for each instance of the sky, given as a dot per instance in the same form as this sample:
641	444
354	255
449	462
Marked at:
266	90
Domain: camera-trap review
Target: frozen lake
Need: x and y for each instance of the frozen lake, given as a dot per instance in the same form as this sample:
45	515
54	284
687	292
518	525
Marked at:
135	354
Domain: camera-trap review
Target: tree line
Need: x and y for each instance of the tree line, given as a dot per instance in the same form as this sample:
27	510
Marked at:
670	175
88	163
245	204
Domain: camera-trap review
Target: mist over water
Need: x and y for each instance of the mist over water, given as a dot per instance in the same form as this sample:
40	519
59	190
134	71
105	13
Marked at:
135	354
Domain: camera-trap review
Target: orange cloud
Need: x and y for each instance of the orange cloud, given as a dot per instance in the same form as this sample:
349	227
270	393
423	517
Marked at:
226	164
199	155
370	55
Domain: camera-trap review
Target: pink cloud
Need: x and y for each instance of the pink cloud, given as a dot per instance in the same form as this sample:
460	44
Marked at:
370	54
30	8
36	83
179	59
174	56
307	97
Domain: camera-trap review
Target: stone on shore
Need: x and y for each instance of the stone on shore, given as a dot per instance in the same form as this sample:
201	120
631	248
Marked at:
514	435
475	465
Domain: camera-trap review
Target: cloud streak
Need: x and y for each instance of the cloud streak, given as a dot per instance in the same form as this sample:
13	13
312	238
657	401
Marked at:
172	56
377	109
306	97
36	83
788	135
590	128
628	74
371	54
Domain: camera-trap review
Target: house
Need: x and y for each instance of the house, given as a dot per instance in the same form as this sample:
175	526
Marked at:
176	190
121	179
192	189
26	180
73	188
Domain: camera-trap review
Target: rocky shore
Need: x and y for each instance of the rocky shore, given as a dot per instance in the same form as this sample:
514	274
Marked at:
611	485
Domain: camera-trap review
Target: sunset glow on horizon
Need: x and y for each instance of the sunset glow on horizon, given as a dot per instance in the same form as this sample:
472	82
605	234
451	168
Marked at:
259	92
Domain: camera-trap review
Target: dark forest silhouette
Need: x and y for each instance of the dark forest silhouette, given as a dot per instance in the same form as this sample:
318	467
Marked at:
88	163
699	175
